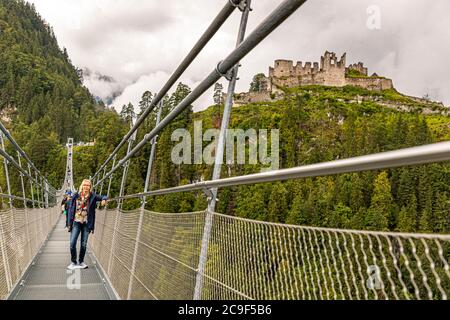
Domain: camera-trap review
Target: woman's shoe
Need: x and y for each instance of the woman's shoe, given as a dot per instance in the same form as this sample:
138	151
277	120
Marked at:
72	266
82	266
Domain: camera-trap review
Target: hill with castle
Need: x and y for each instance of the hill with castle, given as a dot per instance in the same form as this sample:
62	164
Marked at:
331	72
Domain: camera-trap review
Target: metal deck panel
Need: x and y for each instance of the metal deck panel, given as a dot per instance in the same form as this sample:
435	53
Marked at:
47	278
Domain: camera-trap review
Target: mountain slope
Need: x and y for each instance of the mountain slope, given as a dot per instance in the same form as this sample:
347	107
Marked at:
37	78
42	98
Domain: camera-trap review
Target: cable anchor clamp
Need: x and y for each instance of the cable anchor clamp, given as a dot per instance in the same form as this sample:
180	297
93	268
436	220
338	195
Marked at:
227	75
241	5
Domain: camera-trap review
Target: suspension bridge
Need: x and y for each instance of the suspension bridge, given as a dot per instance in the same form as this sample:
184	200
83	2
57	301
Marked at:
141	254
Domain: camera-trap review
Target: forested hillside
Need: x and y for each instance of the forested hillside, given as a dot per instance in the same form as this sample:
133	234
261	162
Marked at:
42	99
316	124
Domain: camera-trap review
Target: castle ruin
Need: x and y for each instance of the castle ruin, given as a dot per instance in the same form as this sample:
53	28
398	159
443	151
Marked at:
330	72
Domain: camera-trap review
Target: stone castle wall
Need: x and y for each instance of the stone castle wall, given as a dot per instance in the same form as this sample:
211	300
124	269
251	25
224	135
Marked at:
358	67
330	72
371	83
250	97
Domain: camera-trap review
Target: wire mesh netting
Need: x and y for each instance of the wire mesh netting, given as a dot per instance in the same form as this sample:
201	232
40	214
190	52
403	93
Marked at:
22	232
156	261
149	255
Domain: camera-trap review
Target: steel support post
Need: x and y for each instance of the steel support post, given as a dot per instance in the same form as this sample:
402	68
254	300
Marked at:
31	184
5	162
101	186
3	234
232	77
24	206
110	179
146	188
46	193
38	189
120	201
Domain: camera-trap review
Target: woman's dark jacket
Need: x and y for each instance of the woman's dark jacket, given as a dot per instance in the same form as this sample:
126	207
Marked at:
93	199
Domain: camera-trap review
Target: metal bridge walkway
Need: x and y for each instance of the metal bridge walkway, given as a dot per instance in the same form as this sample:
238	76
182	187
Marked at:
47	277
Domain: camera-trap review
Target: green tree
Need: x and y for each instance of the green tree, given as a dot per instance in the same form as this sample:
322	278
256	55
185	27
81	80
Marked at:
251	202
128	113
277	206
407	218
406	187
377	217
145	102
258	83
339	217
442	213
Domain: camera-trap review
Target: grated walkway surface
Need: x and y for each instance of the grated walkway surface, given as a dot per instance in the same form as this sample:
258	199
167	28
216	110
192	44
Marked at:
47	278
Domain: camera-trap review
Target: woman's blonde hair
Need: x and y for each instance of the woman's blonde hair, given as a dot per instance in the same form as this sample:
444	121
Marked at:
80	190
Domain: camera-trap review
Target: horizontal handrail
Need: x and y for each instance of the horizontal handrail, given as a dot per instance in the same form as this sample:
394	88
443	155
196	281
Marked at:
7	196
435	152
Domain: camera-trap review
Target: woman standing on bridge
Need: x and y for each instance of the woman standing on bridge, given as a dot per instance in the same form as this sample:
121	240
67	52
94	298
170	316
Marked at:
81	220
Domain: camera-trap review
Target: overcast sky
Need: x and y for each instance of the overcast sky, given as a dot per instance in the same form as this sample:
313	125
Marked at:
139	43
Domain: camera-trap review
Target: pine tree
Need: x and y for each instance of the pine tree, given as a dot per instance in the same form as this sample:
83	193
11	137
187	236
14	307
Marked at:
356	194
146	101
251	203
377	217
277	206
424	190
399	133
293	216
406	187
407	218
339	217
128	113
441	213
426	221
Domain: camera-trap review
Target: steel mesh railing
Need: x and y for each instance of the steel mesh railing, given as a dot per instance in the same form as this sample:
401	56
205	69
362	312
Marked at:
166	256
24	230
258	260
22	233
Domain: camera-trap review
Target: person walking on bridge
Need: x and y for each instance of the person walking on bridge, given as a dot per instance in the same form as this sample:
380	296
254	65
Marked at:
65	202
81	220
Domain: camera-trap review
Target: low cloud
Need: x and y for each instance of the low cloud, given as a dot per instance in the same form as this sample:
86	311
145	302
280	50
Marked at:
153	82
102	86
